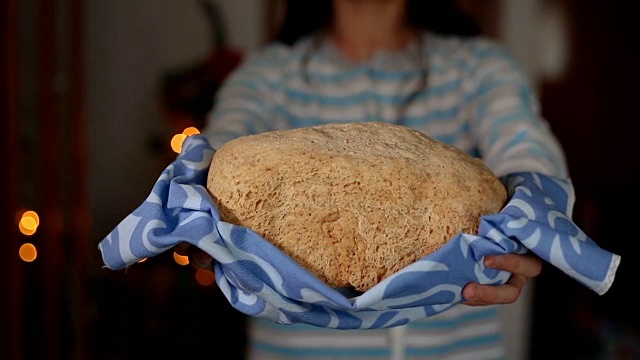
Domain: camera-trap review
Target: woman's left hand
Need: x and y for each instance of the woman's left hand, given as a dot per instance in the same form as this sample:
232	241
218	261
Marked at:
521	267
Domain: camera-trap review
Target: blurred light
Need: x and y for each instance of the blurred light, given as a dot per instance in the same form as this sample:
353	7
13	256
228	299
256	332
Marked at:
176	142
28	252
24	230
205	277
180	259
32	215
178	139
29	222
142	260
191	131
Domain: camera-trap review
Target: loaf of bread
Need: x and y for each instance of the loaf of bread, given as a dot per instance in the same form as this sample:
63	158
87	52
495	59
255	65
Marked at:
352	203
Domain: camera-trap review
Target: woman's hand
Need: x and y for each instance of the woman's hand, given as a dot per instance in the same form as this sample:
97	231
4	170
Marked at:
521	267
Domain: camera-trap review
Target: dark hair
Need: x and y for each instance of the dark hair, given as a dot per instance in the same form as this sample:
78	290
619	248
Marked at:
305	17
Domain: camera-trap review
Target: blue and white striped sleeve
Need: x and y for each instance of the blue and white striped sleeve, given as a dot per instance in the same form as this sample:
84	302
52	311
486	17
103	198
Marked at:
244	103
510	132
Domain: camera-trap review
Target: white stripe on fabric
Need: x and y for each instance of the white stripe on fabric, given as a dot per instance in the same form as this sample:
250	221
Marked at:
151	225
534	165
391	88
492	353
481	341
264	355
463	327
440	110
124	237
329	339
430	338
457	314
504	105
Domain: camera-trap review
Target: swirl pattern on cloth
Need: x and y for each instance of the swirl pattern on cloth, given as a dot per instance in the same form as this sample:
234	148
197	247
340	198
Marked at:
260	280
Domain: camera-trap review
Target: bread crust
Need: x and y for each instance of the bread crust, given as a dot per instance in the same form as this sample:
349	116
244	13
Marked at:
352	203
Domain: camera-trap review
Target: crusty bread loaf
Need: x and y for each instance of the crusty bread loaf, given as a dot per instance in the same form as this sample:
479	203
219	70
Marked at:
352	203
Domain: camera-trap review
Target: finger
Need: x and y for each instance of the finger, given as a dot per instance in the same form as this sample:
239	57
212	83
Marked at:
482	295
527	265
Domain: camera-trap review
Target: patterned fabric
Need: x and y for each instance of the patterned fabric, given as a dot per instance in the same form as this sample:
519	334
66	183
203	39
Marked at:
261	281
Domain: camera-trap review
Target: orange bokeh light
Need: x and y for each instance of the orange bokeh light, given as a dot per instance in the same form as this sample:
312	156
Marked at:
178	139
205	277
176	142
28	252
191	131
24	230
29	222
30	214
180	259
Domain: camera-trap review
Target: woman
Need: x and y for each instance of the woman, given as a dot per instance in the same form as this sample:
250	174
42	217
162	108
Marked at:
416	63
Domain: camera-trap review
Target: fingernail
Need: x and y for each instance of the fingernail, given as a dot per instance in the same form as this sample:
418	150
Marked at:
489	261
470	293
477	293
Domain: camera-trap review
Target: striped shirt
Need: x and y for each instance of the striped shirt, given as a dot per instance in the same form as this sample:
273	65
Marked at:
460	333
467	92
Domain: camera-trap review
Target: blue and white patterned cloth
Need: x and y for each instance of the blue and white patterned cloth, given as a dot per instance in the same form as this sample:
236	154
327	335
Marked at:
260	280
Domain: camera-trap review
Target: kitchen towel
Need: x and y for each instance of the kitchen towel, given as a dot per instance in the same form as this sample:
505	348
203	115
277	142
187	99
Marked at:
260	280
